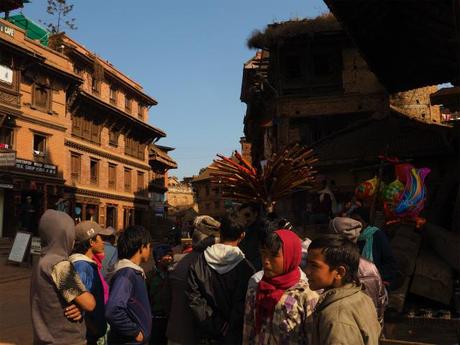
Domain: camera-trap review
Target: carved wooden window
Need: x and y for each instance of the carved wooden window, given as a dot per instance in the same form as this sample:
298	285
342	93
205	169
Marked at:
41	95
75	166
140	181
86	129
95	85
140	111
113	96
94	171
112	176
127	180
128	104
113	137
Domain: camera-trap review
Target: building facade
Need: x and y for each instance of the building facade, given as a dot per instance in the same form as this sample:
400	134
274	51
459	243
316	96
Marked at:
74	135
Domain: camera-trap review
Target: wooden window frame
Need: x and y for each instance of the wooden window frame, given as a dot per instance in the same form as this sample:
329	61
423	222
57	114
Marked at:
94	180
112	181
128	104
127	186
140	187
74	174
113	95
140	112
42	153
47	106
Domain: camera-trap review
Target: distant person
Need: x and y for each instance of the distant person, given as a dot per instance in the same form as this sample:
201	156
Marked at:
279	306
160	292
217	285
128	308
110	253
181	329
56	287
344	313
28	215
375	247
89	244
368	274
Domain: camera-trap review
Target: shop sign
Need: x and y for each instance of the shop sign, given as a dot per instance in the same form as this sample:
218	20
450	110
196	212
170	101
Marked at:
7	158
20	244
36	167
35	246
6	30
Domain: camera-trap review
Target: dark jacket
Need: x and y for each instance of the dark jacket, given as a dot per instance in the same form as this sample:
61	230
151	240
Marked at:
251	243
181	328
128	308
383	257
216	293
86	268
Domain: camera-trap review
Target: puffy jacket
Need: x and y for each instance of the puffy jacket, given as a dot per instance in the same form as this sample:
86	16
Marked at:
345	316
217	285
369	276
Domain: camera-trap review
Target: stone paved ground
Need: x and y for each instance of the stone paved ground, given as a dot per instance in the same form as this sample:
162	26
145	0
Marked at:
15	323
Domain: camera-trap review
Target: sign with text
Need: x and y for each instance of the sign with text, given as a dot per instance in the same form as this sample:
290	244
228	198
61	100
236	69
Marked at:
20	244
7	158
6	74
36	246
35	167
6	30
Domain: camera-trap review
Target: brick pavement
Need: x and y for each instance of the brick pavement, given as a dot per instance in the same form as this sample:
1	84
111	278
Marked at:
15	323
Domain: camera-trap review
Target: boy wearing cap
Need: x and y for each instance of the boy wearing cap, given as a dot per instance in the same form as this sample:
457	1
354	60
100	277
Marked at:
88	244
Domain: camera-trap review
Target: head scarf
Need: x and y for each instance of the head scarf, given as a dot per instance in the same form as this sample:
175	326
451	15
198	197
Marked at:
270	290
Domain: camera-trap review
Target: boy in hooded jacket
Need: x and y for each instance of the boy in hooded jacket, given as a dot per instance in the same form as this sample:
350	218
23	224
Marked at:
217	285
128	308
56	289
344	313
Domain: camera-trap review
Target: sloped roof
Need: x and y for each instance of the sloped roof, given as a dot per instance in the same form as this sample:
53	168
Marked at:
277	32
160	156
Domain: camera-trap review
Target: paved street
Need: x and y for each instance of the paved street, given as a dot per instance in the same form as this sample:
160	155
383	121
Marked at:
15	324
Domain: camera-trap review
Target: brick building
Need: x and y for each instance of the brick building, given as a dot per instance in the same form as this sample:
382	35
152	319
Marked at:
79	130
306	84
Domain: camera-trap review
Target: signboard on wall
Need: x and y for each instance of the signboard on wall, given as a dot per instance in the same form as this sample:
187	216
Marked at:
20	244
7	30
7	158
36	167
35	246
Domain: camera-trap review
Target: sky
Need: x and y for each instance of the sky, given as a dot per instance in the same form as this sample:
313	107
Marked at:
188	55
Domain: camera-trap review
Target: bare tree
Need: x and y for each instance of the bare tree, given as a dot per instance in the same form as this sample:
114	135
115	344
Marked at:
59	9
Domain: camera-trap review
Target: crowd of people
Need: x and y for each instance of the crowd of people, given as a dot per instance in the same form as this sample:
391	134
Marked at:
241	282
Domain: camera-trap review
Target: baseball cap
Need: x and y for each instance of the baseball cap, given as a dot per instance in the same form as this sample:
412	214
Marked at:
88	229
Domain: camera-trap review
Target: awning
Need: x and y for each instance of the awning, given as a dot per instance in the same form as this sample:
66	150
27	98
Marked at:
33	30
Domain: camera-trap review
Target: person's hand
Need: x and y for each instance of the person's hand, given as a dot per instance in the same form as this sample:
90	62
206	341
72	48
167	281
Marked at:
73	313
140	337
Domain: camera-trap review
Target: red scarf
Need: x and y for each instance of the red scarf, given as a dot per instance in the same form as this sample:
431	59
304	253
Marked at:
270	290
99	257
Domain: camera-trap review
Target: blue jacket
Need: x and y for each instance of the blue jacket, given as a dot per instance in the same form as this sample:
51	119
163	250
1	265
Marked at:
96	325
128	308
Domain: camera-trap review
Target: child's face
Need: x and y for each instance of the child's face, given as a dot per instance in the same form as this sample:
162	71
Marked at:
146	252
97	245
319	273
273	265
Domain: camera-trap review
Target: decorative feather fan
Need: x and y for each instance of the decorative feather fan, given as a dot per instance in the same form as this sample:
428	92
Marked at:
281	175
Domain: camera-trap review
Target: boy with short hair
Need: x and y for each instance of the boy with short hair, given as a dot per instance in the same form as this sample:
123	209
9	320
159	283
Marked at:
128	309
88	244
344	314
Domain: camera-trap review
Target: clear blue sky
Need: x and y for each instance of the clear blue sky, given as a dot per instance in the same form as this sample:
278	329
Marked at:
188	55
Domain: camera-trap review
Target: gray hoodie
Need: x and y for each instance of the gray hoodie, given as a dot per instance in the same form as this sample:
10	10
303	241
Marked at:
54	283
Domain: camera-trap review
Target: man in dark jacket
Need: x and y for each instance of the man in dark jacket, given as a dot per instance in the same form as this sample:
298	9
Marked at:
217	285
181	329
